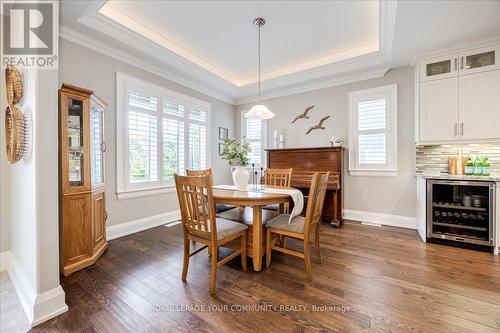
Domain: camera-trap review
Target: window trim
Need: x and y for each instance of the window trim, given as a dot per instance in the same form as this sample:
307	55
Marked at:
123	188
389	92
243	129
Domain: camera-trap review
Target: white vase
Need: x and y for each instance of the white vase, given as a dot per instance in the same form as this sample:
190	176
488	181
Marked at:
240	176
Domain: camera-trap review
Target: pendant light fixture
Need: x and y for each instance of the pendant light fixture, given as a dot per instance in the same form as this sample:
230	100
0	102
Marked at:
259	111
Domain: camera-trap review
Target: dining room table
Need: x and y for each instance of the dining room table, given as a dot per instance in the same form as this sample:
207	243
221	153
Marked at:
256	200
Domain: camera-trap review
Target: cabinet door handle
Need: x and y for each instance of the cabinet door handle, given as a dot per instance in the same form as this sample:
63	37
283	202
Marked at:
103	147
455	127
105	215
461	129
462	63
456	63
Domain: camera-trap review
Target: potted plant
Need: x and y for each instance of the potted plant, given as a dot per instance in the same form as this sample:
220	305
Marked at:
236	154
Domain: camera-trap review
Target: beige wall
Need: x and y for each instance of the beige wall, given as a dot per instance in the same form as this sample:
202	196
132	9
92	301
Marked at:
83	67
388	195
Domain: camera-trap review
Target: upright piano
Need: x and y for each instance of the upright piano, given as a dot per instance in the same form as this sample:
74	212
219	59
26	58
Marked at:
305	162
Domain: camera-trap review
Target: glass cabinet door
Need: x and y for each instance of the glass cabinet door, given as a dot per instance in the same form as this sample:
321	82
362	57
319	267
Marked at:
439	67
97	144
75	133
480	60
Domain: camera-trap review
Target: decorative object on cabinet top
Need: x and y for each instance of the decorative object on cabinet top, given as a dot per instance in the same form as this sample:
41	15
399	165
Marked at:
304	114
14	84
318	126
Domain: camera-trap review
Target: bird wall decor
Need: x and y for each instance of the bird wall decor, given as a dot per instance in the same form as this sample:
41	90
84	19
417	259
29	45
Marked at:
318	126
304	114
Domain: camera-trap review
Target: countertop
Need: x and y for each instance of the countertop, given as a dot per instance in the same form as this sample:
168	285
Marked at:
491	178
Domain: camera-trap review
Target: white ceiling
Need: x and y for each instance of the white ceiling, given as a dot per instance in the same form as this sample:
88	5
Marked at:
211	46
220	36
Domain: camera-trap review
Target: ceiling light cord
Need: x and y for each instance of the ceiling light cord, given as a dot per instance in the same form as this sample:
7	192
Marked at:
259	62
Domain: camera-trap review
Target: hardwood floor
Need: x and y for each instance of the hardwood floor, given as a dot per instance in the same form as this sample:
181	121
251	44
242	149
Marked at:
371	279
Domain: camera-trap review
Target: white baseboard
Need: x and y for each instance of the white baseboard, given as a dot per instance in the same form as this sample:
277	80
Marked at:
24	290
127	228
48	305
4	260
37	307
382	219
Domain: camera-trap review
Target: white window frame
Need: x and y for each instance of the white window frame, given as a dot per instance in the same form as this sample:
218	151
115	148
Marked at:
125	189
243	127
390	169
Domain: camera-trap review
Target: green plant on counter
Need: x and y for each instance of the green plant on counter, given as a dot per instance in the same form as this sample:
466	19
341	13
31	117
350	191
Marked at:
236	153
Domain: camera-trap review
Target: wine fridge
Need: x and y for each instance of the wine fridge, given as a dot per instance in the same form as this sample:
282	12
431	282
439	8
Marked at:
461	211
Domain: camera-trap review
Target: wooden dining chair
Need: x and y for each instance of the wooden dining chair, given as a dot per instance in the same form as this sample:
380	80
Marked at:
300	227
278	178
201	225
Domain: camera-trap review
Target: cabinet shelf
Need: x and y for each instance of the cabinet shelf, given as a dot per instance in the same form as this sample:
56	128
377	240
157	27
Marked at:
460	226
448	206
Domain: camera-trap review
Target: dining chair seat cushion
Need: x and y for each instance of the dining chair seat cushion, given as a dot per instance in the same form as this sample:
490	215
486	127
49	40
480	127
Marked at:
274	207
226	228
280	222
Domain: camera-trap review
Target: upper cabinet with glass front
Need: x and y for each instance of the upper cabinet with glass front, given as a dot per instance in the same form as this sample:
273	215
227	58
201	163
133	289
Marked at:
81	131
480	60
441	67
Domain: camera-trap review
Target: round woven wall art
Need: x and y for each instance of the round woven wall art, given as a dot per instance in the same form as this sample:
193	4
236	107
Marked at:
15	134
14	82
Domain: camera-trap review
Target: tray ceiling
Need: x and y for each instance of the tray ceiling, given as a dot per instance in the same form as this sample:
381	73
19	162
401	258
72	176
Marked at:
220	37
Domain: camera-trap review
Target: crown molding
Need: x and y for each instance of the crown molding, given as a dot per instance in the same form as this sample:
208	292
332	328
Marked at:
118	54
318	84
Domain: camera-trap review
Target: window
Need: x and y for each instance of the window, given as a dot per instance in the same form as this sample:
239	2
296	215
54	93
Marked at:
159	133
255	132
373	131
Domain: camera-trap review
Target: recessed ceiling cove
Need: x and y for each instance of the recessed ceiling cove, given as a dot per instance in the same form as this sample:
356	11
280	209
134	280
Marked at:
219	36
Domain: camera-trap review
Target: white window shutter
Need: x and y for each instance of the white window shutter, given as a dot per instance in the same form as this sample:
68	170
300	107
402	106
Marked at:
373	131
253	130
160	132
142	147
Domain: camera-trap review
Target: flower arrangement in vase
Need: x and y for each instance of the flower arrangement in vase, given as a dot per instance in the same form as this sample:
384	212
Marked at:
236	154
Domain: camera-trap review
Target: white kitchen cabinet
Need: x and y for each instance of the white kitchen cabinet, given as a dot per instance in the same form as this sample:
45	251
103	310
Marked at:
479	106
438	119
441	67
459	101
479	60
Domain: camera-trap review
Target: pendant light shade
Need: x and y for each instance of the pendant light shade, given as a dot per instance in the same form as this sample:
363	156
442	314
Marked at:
259	111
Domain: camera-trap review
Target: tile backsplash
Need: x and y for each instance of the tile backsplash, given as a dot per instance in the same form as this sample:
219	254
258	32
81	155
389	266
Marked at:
434	158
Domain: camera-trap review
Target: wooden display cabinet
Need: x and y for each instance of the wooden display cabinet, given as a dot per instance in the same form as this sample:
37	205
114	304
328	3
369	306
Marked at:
82	209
